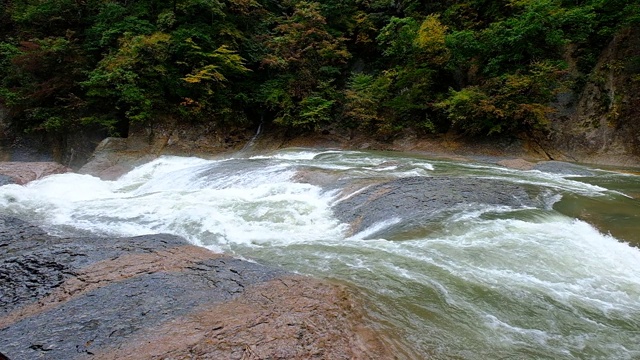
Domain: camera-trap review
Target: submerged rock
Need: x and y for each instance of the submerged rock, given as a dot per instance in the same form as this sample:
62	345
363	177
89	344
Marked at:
563	168
408	203
24	172
156	296
518	164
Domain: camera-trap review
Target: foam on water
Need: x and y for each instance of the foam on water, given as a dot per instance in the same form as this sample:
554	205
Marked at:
549	285
255	207
291	154
557	182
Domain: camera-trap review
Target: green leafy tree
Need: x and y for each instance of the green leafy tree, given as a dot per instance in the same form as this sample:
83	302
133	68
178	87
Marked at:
510	103
133	77
365	97
307	58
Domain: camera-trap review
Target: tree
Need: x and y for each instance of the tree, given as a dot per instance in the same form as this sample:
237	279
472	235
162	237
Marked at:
307	59
510	103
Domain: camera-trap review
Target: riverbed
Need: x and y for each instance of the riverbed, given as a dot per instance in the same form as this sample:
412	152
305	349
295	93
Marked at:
552	276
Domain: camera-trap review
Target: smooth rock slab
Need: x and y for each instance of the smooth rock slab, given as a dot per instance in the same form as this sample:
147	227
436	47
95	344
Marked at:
416	201
156	296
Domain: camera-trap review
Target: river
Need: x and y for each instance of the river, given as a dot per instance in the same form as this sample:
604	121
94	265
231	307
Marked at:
556	280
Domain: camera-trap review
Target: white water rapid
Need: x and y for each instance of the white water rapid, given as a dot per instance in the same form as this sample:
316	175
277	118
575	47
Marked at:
479	282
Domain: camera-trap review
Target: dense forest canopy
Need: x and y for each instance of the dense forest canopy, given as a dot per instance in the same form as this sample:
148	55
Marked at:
476	66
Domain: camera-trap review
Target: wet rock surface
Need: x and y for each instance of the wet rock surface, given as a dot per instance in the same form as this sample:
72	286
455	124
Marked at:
24	172
112	159
281	319
519	164
413	202
563	168
6	180
73	298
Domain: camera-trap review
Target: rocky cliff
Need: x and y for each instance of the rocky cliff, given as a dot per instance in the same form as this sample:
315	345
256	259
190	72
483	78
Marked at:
602	123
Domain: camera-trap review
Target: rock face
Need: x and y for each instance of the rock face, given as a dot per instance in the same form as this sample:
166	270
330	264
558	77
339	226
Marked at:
156	296
115	156
602	124
71	148
24	172
415	201
112	158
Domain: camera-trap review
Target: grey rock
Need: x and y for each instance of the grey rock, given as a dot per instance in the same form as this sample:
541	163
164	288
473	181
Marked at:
563	168
103	310
6	180
417	201
110	314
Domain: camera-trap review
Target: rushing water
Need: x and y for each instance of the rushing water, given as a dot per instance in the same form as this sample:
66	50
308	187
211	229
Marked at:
560	280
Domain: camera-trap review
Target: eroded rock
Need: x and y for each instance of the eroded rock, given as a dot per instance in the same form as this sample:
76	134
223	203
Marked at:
24	172
156	296
408	203
112	159
519	164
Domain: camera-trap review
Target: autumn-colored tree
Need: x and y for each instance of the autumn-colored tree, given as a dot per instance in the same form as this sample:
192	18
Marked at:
306	58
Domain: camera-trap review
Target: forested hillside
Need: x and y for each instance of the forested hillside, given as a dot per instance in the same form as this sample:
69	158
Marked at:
477	67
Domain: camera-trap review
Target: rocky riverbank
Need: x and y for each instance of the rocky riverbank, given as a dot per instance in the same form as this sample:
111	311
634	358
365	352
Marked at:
157	297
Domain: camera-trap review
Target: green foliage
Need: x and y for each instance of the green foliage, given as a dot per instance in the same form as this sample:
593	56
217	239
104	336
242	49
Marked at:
132	77
479	66
398	36
44	14
312	111
111	22
208	78
306	59
510	103
364	99
309	113
211	65
431	36
532	34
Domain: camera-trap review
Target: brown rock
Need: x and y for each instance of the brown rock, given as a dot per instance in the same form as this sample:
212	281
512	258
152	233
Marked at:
112	158
106	272
24	172
287	318
158	297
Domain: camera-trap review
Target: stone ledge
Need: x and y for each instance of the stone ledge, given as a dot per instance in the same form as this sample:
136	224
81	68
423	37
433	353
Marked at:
156	297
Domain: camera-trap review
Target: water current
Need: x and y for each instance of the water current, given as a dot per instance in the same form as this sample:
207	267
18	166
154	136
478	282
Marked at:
558	280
